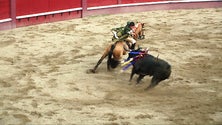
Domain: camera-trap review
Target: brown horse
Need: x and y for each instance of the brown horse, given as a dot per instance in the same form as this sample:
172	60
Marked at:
115	53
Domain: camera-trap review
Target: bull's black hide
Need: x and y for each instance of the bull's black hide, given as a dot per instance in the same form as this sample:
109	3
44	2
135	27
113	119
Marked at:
152	66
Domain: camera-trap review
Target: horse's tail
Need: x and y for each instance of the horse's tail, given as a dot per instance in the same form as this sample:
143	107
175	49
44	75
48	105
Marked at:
111	62
111	51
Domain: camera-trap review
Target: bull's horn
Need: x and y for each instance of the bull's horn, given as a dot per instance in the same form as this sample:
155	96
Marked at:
157	57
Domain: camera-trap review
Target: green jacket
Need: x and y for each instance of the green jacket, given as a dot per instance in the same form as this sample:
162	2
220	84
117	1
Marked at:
122	32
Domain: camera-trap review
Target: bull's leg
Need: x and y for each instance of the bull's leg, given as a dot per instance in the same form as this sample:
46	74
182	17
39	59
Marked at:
132	73
139	79
154	81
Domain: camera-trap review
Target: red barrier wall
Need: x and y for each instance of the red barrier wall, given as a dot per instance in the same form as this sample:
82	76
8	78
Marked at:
139	1
93	3
16	13
44	11
25	7
55	5
4	9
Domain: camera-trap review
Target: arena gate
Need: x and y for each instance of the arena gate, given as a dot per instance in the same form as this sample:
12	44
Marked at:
17	13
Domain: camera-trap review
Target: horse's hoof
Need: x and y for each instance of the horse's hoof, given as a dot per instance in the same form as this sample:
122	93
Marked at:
91	71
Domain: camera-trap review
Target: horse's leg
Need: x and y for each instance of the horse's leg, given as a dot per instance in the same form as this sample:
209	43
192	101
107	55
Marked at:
139	31
142	31
142	36
132	41
98	63
101	59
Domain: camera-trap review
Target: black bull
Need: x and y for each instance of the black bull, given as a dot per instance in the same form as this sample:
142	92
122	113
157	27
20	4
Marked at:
150	65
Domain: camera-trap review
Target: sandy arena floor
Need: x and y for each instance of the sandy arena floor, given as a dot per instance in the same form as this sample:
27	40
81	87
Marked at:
44	81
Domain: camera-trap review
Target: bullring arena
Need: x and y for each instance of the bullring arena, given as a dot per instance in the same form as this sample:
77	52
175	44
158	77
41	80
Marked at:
44	77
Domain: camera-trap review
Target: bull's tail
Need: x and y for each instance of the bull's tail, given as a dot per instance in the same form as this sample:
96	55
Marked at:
166	72
111	51
168	68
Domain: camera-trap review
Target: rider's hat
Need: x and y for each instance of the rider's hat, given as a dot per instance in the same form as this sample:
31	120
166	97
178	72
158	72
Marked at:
130	23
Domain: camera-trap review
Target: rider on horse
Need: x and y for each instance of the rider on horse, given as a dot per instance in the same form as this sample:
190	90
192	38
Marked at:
125	33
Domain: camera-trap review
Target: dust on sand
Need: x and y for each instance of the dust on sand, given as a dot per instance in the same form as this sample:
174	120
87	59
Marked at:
44	81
